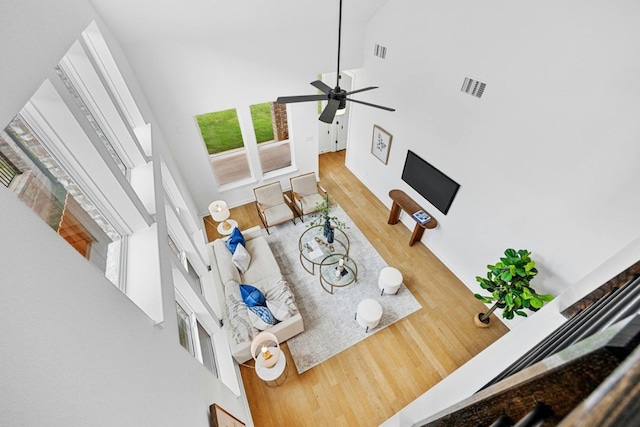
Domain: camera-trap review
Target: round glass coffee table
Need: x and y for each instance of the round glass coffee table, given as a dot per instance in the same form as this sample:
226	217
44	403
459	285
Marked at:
314	248
329	278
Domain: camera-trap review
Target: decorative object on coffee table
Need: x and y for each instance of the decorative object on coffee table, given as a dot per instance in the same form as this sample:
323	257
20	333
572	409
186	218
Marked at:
313	249
337	271
322	216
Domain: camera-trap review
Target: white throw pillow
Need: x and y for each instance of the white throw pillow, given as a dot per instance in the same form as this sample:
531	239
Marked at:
241	258
279	309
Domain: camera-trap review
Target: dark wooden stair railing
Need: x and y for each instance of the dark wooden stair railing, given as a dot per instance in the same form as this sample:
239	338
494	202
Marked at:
562	382
619	303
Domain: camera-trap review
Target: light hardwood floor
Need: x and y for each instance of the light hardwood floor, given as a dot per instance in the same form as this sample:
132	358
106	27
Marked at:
369	382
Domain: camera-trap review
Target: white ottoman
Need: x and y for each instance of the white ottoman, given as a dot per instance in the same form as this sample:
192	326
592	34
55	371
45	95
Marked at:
389	280
368	313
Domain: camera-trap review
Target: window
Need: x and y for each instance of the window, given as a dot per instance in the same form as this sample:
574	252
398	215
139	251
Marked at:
38	179
91	118
223	139
271	129
206	348
193	336
192	275
185	334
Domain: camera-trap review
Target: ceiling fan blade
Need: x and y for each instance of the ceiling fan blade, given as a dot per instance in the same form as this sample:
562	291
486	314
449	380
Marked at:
329	111
301	98
361	90
371	105
320	85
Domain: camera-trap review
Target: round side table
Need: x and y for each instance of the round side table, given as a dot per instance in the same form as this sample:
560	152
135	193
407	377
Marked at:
228	231
276	375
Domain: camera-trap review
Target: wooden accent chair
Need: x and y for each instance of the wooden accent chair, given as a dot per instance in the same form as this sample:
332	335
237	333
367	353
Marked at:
304	191
273	206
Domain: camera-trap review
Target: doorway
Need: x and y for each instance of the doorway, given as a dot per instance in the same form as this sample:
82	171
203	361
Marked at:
333	136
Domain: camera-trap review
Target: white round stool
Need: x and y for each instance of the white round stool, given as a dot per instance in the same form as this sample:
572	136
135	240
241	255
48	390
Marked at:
389	280
368	313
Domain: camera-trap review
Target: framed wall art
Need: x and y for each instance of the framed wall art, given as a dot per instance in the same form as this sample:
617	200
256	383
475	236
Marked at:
221	418
381	144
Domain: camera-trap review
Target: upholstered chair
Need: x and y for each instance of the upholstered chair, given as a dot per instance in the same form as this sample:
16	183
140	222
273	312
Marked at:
273	206
305	194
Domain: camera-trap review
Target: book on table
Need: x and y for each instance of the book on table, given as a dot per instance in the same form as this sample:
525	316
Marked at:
421	217
313	249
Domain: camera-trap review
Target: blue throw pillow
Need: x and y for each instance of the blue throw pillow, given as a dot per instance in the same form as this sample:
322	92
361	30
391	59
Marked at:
234	238
265	315
252	296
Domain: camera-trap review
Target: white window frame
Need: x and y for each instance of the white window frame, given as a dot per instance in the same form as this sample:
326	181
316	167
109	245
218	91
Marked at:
45	134
196	345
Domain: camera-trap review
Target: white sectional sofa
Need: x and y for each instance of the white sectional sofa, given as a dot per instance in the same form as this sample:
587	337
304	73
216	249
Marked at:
264	274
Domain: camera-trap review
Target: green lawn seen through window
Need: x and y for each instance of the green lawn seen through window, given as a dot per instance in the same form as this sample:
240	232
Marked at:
262	124
221	129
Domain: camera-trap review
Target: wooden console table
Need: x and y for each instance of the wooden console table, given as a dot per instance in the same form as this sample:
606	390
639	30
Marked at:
403	202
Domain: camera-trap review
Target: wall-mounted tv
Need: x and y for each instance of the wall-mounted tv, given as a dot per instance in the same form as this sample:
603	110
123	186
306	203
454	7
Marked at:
432	184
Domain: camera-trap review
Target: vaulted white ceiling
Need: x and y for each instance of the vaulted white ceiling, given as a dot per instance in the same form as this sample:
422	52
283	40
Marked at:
195	56
142	20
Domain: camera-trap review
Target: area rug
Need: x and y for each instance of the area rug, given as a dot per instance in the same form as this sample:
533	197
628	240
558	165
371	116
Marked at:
329	320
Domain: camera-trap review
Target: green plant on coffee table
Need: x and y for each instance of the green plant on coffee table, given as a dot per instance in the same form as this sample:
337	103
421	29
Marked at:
322	214
508	281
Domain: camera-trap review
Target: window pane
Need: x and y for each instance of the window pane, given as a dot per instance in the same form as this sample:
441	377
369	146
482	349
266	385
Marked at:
184	330
194	277
206	347
262	119
223	139
270	125
230	167
274	156
91	118
220	131
44	186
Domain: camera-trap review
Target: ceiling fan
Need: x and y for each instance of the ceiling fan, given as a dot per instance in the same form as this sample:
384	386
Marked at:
336	97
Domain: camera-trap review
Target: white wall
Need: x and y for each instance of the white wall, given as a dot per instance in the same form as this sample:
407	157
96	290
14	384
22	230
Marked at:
545	160
74	349
185	77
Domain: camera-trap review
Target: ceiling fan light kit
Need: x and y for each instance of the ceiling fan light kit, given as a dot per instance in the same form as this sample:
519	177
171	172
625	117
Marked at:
336	98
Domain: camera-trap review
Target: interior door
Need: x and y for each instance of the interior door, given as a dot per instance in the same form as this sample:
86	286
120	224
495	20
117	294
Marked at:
340	131
333	136
325	137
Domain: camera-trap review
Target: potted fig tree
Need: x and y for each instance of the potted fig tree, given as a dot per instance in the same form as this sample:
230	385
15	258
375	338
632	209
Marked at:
508	282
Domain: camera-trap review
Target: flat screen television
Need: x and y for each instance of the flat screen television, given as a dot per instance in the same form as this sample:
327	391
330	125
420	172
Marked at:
427	180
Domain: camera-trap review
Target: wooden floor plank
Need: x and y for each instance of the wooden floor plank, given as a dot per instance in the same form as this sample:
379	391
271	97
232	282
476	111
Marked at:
370	381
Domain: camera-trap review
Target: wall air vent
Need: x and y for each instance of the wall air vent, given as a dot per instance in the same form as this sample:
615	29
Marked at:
380	51
473	87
